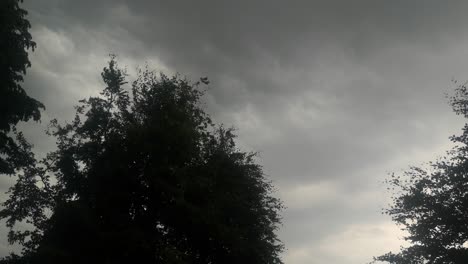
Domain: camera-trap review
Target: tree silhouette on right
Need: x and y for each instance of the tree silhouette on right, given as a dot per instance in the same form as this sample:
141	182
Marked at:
431	204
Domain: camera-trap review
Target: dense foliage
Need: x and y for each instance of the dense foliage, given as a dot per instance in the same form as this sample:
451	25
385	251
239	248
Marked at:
144	177
15	104
432	204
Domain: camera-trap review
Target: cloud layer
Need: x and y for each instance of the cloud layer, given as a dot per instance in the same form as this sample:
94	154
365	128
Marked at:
334	94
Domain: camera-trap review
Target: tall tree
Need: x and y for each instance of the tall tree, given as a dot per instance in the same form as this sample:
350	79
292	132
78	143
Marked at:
145	178
432	204
15	104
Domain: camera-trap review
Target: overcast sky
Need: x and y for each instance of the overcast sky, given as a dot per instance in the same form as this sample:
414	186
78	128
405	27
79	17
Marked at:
333	94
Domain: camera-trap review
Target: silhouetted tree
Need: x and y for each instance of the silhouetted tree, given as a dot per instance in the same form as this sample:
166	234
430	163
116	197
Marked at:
15	104
145	178
432	204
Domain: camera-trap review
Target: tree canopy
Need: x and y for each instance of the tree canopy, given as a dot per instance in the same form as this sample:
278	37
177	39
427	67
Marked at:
15	104
432	204
144	177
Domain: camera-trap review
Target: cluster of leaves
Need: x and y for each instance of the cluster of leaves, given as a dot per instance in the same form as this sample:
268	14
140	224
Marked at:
144	177
432	204
15	104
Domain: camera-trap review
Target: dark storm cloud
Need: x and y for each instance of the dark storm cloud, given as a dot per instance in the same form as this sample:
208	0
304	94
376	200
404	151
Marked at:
245	39
334	94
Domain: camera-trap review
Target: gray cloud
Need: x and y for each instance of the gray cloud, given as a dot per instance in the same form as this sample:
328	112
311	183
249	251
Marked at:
334	94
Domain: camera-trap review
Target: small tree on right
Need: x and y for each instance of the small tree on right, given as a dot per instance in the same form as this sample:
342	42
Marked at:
431	204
